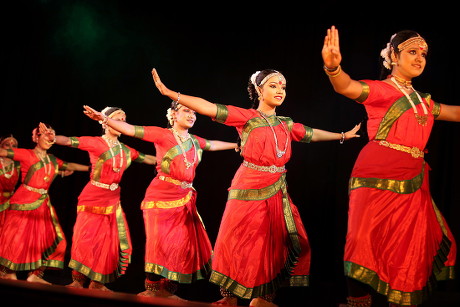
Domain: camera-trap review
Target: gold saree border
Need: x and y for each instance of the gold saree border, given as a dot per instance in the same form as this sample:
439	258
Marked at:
43	262
182	278
398	186
294	248
160	204
124	257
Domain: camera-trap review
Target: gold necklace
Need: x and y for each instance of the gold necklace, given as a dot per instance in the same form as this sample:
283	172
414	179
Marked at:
179	141
406	83
279	152
111	143
45	165
7	175
421	119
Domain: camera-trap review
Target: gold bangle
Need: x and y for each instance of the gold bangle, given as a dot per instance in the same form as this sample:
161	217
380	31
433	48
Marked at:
335	73
330	69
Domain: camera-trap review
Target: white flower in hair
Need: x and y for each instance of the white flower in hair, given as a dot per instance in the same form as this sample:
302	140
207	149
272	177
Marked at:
253	78
169	116
385	54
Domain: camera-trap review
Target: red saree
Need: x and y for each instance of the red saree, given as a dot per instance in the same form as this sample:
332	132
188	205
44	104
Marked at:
397	242
177	245
262	242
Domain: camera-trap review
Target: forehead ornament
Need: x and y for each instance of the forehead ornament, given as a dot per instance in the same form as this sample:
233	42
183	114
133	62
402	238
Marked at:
420	41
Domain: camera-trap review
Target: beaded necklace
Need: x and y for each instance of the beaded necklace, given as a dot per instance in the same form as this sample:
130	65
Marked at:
111	143
180	139
7	175
46	164
421	119
279	152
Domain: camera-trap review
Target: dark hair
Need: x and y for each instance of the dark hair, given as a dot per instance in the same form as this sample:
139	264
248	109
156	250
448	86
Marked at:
398	38
7	136
253	95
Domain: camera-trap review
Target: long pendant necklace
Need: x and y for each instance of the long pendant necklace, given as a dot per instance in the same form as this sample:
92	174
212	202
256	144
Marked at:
421	119
180	139
279	152
112	143
7	175
46	164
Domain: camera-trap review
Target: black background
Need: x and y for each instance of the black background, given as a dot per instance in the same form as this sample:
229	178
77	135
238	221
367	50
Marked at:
59	55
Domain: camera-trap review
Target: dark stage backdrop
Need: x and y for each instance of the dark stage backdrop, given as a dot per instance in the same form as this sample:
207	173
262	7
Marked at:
60	55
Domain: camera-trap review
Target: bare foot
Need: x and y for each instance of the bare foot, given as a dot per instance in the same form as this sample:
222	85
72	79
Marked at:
11	276
37	279
75	284
227	301
260	302
98	286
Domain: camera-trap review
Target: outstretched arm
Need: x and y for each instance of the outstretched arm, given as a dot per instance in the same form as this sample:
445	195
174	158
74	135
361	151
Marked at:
77	167
221	145
151	160
197	104
123	127
449	113
323	135
340	80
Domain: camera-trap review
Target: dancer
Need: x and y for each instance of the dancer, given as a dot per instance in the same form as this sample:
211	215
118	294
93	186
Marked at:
32	238
101	242
398	243
177	249
262	241
9	175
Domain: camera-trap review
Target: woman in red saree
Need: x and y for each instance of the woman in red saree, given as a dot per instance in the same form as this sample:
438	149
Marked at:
101	243
32	238
398	242
177	248
262	241
9	176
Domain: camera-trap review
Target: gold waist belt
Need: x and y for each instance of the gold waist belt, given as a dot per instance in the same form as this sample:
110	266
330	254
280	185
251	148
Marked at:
183	184
270	169
413	151
32	189
111	187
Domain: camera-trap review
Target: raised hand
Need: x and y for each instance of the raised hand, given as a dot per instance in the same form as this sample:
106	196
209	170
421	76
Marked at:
331	48
160	86
92	113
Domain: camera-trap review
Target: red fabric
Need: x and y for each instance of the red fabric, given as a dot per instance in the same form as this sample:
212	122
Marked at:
394	235
176	239
252	244
32	238
96	251
7	186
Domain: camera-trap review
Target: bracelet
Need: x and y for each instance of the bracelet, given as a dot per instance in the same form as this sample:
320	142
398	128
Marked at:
178	97
342	139
104	121
334	74
330	69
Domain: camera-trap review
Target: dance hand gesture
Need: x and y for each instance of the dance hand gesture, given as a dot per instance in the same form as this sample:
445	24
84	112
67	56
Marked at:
160	86
331	48
352	133
92	113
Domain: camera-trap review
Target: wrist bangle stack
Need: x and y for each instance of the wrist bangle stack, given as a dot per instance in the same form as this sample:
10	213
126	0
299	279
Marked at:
178	97
332	72
104	121
342	139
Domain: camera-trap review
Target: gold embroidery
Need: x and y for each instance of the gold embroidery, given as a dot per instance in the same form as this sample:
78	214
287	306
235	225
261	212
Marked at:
221	113
97	209
398	186
364	93
159	204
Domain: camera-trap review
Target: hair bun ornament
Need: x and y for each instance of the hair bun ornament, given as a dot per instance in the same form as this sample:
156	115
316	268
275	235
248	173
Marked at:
254	77
385	54
169	116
